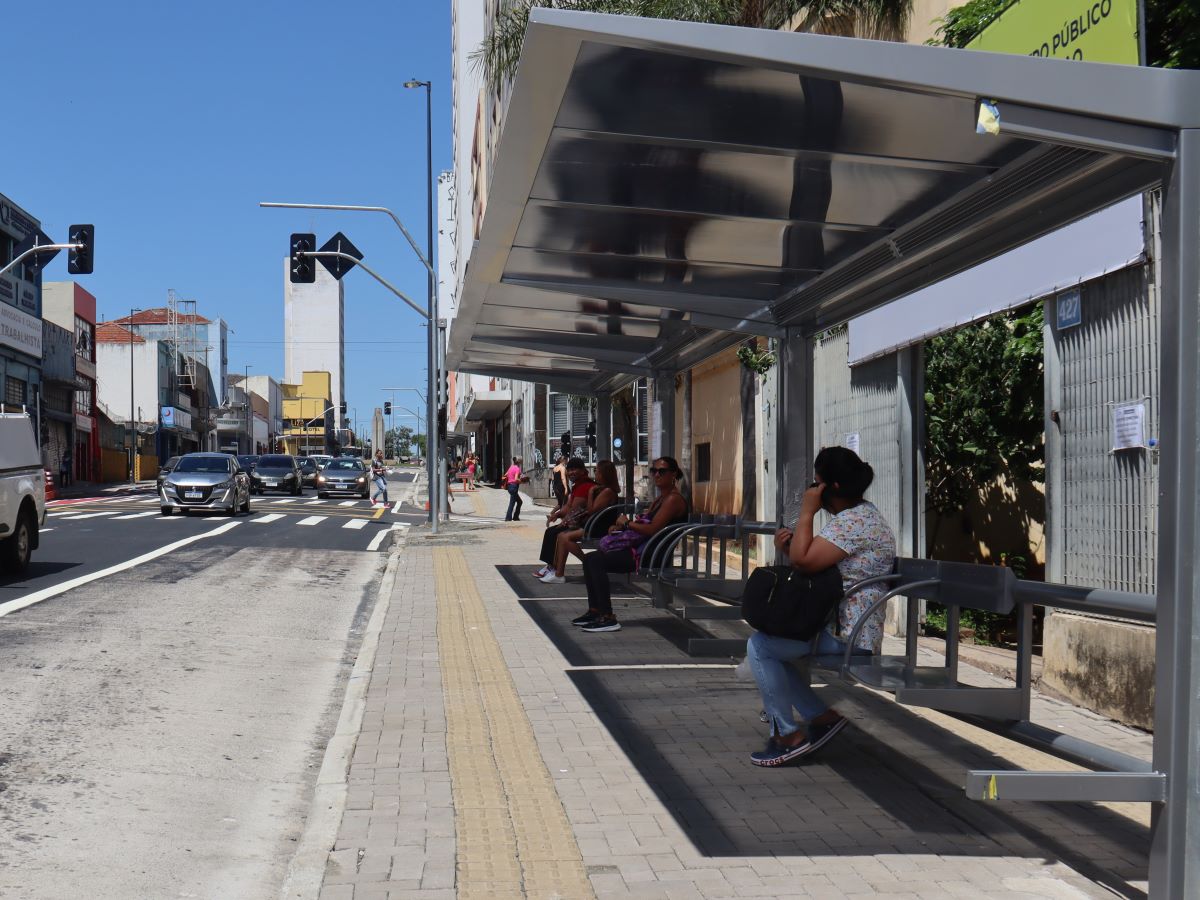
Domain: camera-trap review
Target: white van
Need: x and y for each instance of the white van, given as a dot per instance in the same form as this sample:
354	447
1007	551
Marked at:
22	492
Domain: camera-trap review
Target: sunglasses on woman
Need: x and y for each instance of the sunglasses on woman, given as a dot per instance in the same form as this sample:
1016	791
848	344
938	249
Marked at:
662	471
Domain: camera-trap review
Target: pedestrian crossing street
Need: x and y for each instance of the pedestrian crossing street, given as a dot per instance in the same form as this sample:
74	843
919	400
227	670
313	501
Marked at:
307	512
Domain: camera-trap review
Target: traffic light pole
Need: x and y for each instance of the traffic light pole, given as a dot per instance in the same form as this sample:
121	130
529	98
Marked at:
431	436
34	251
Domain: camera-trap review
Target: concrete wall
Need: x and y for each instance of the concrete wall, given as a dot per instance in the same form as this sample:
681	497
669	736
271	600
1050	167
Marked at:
112	379
924	14
1106	665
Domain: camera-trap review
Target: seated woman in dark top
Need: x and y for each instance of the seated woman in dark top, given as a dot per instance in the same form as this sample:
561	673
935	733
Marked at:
669	507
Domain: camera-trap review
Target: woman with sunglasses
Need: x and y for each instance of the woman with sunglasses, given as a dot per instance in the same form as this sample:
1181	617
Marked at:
669	507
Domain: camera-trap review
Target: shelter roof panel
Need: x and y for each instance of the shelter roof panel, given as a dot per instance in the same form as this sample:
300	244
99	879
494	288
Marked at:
686	184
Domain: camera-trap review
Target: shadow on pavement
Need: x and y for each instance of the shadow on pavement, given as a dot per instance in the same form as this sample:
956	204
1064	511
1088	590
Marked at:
689	732
36	570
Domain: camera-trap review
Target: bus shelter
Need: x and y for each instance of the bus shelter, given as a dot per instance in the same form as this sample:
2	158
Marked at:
663	189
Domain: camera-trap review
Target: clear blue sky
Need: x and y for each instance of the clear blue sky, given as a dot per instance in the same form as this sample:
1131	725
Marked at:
165	123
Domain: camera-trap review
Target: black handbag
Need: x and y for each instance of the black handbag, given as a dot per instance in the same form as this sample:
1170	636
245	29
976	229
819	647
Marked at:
784	602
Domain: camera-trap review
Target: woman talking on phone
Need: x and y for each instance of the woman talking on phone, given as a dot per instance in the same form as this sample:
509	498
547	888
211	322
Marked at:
860	543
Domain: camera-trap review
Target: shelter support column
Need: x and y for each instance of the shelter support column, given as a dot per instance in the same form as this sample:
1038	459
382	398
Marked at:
604	448
793	423
1175	842
664	394
910	439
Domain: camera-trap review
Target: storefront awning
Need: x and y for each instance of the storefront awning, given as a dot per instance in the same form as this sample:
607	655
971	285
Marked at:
663	189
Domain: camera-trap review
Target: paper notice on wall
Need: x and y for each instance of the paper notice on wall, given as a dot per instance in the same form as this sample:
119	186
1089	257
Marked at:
1129	426
850	441
655	430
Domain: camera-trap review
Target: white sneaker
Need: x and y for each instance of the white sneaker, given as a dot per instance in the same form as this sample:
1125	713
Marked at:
544	570
551	578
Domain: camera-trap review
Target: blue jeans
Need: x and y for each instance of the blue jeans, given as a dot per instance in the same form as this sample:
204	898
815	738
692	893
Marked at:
781	685
514	503
380	488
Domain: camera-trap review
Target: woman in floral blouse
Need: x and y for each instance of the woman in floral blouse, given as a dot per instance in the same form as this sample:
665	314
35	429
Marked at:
861	544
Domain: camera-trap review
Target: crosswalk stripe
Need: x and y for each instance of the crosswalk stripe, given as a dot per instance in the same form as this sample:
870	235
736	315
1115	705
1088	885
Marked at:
312	520
348	503
356	523
140	515
284	500
87	516
269	517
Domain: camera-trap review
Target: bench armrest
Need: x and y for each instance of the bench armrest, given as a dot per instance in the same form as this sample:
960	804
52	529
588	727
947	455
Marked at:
664	557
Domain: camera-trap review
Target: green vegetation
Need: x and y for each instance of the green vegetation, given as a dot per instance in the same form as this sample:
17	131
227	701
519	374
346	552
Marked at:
881	19
1172	29
983	407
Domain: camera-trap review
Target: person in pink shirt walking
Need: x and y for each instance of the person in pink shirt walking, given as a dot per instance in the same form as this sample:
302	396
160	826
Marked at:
512	480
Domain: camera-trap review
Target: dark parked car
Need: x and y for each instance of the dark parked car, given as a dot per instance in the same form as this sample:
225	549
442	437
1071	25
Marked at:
167	468
205	481
308	470
276	472
344	476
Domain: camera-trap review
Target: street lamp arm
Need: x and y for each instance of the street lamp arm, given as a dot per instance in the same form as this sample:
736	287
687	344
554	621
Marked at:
46	248
354	260
341	206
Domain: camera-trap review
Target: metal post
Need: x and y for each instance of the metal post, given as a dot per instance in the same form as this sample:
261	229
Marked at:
793	419
132	411
1175	825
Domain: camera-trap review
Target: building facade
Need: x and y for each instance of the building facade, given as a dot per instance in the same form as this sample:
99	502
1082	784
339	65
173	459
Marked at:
314	331
309	415
68	305
20	316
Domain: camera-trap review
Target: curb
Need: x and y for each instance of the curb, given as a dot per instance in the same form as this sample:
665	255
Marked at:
306	871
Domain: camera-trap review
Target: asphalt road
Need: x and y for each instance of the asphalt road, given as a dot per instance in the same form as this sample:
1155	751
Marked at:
161	726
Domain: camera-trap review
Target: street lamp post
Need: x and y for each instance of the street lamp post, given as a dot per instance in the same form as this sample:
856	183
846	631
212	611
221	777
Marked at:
433	468
132	409
246	397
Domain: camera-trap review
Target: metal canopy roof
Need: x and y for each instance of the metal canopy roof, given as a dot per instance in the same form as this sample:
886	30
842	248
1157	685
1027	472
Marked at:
663	188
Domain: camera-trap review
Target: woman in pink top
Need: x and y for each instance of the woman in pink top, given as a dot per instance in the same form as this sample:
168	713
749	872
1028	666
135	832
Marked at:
512	480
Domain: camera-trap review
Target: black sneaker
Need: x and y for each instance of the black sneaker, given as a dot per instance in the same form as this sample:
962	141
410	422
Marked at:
586	619
602	623
820	735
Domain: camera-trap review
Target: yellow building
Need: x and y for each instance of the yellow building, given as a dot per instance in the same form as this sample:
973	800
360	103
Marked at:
308	414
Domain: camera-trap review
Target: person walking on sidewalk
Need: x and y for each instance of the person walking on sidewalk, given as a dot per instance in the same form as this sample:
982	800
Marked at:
619	549
856	539
379	477
512	480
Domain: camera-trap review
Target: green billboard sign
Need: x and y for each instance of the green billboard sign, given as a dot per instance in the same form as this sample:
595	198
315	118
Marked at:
1103	31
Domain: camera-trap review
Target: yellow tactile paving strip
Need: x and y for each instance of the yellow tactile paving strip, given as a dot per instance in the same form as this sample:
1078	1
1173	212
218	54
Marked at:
512	835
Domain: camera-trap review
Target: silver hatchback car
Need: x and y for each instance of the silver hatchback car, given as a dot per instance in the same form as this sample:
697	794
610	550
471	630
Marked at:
206	481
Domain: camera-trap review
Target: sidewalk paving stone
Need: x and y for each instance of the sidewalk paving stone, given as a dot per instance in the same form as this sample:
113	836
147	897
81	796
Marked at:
647	766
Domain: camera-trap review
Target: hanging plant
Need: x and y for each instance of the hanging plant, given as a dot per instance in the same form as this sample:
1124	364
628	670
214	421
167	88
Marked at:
756	360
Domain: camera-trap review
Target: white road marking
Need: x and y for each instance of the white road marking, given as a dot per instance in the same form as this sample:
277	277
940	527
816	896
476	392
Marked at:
347	503
396	507
312	520
44	530
38	596
282	500
269	517
140	515
378	539
108	512
356	523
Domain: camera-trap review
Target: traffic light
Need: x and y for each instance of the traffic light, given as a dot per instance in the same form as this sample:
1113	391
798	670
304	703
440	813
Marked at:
591	434
344	408
441	416
387	407
303	269
79	259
